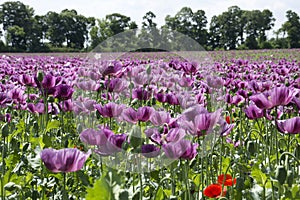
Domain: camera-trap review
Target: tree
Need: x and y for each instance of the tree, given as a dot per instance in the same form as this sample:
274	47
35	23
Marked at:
56	31
112	24
292	28
17	23
190	24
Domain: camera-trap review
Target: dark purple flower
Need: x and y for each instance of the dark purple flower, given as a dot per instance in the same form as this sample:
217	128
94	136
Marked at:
63	92
67	105
27	80
110	110
172	99
141	94
112	68
144	113
150	150
253	112
64	160
180	149
48	81
291	126
95	137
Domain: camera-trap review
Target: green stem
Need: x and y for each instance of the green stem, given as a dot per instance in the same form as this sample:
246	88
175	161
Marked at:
3	169
188	192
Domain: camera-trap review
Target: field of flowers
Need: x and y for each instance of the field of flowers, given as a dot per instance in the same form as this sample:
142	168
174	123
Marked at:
151	126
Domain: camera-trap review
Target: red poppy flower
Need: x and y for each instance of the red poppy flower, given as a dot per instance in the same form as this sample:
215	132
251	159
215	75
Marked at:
228	180
229	120
214	191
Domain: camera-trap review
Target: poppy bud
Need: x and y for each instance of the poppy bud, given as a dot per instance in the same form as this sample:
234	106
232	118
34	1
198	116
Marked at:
40	76
251	147
5	130
281	174
135	137
239	183
148	69
290	178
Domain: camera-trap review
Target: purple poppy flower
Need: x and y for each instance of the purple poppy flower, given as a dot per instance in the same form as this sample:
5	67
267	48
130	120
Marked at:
141	94
172	99
115	85
225	127
253	112
282	96
154	135
67	105
95	137
4	98
237	99
48	81
262	100
291	126
159	118
144	113
202	123
161	97
110	110
150	150
27	80
5	118
38	108
180	149
112	146
63	92
88	85
64	160
130	115
112	68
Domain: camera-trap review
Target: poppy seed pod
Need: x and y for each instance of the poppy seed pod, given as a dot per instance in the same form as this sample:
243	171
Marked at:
251	147
290	178
281	174
40	76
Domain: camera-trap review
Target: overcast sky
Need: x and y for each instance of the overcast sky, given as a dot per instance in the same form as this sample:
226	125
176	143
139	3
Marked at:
136	9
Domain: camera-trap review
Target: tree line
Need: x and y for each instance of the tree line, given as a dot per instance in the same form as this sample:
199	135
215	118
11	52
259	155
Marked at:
23	31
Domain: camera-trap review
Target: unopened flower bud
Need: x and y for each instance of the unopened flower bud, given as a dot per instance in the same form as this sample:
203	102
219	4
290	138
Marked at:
281	174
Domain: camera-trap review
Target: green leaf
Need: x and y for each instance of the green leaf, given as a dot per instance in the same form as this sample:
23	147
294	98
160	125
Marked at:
197	180
83	177
260	177
160	194
100	191
295	191
47	141
52	125
225	164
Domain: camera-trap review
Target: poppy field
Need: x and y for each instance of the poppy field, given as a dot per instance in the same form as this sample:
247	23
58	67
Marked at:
151	126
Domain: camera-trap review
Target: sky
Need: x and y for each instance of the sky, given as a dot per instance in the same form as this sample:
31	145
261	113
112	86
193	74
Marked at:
136	9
